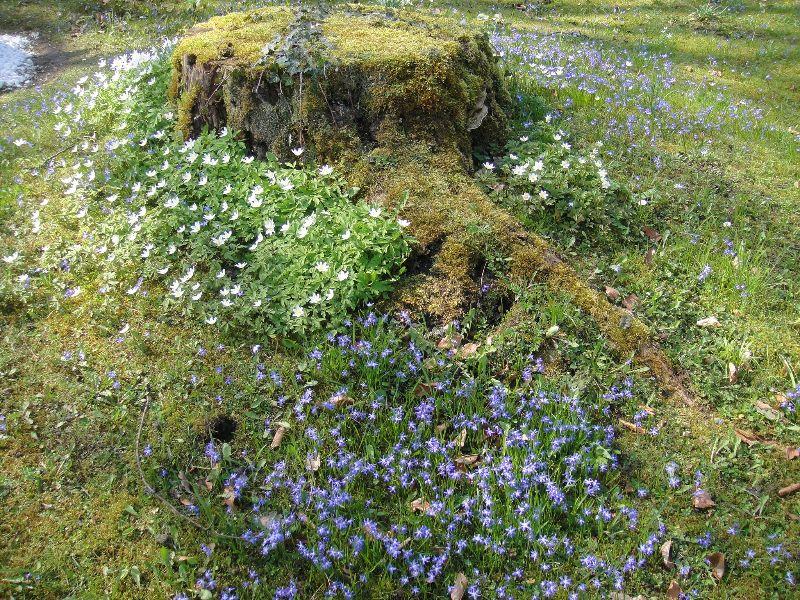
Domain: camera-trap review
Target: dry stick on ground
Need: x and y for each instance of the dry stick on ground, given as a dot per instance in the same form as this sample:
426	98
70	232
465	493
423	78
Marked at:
632	426
52	157
789	490
149	489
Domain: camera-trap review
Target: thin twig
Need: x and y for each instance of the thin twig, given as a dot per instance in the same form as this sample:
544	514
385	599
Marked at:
56	155
73	144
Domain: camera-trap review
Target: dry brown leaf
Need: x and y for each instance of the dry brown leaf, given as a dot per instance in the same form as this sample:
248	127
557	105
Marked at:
612	293
751	438
467	460
702	500
278	437
185	482
313	462
632	426
446	343
674	591
666	548
420	505
423	389
747	437
717	561
185	501
468	350
648	256
459	587
341	400
462	438
789	490
709	322
228	497
652	234
630	302
209	484
733	373
768	412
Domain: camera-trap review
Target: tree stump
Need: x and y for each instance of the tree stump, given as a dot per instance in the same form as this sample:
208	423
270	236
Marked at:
401	102
385	75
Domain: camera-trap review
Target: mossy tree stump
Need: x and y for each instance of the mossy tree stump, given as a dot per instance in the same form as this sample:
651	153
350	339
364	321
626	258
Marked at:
388	75
402	104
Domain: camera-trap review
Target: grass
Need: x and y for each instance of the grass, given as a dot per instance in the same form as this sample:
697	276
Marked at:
76	521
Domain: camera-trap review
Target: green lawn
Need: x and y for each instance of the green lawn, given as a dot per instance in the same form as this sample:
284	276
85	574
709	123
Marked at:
697	107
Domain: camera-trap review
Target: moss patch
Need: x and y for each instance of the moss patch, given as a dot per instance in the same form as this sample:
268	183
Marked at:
451	215
236	37
390	72
360	34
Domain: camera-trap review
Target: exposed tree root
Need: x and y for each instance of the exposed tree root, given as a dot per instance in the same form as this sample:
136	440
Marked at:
453	216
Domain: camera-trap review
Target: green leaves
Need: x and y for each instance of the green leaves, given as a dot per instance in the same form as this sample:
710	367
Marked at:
546	180
302	50
268	247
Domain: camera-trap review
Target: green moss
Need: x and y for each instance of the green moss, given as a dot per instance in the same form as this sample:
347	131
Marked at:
454	219
361	34
185	106
399	71
627	334
374	38
236	37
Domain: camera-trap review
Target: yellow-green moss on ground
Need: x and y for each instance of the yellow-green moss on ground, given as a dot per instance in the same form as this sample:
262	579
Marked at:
236	36
458	227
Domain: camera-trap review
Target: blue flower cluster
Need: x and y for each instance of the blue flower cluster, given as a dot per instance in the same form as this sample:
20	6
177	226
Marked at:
395	462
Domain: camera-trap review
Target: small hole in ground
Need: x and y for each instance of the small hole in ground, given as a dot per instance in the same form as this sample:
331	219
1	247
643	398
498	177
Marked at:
419	263
222	428
494	299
